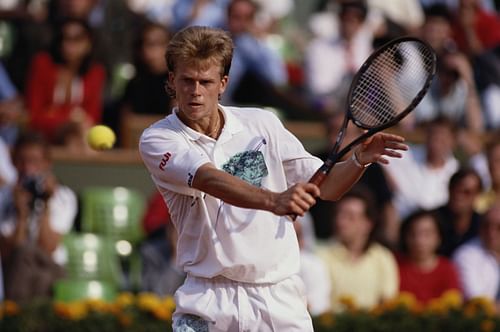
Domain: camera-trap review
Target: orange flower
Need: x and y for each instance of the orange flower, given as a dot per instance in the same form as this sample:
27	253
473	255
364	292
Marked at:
327	320
73	311
452	299
487	325
125	299
10	308
148	301
479	304
162	312
348	302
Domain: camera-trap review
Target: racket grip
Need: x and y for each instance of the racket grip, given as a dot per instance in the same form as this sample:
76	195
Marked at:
317	179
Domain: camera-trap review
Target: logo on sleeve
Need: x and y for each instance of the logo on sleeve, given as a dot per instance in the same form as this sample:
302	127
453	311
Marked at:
164	160
190	179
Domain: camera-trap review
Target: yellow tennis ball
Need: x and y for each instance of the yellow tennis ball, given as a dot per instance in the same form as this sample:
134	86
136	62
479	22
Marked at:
101	137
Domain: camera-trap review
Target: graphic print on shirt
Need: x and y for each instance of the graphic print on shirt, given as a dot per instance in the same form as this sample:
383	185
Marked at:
249	166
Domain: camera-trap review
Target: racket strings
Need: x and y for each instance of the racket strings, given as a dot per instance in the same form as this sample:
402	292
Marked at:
391	83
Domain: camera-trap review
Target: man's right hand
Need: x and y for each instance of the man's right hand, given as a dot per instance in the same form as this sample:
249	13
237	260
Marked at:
296	200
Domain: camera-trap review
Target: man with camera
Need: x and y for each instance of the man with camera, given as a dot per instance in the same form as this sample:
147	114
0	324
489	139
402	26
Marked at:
34	214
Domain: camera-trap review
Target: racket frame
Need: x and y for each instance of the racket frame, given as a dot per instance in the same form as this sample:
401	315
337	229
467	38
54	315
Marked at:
334	155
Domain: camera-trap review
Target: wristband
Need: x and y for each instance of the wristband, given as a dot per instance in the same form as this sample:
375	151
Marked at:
356	161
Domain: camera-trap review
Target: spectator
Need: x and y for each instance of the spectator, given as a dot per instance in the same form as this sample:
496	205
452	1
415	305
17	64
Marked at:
374	179
145	93
359	268
421	177
474	29
11	108
422	271
492	195
477	260
256	67
312	269
453	92
459	221
330	63
34	215
198	12
64	92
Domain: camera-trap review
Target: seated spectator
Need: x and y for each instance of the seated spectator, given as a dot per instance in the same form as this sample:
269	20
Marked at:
145	92
360	269
198	12
256	68
159	273
459	221
34	215
331	62
421	177
374	179
422	271
474	29
477	260
453	92
492	195
11	108
312	269
64	91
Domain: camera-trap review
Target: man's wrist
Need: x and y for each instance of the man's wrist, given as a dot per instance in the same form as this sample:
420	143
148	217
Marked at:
356	161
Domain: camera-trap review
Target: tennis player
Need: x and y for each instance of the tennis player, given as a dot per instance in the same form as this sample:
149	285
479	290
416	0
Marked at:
230	177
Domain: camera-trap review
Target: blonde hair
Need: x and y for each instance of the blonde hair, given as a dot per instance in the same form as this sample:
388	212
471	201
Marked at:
200	44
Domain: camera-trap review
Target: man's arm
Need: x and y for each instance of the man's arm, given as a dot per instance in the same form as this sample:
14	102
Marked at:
300	197
232	190
345	174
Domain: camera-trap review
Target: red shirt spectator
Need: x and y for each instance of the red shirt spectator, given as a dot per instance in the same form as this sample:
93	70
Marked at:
474	25
65	86
427	285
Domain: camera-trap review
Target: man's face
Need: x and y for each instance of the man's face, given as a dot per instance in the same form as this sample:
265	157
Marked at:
241	17
197	88
31	161
351	221
464	193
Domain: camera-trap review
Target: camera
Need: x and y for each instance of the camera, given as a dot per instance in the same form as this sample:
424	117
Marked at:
36	186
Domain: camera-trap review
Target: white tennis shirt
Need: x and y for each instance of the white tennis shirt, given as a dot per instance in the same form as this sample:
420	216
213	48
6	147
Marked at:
215	238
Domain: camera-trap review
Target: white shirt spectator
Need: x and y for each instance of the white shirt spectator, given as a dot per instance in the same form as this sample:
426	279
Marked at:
478	269
62	209
416	184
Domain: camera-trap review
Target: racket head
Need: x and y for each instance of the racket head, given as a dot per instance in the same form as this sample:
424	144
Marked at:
391	83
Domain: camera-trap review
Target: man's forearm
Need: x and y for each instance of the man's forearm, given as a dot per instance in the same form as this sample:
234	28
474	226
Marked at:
341	178
232	190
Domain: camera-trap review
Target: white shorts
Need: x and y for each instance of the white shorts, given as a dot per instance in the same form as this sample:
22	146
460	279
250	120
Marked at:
221	304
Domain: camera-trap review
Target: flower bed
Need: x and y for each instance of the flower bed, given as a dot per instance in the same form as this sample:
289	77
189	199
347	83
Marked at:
148	312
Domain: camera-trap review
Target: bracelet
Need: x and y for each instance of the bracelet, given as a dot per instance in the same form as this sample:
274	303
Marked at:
356	161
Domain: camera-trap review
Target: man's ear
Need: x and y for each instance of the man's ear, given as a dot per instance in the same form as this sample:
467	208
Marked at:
224	82
169	85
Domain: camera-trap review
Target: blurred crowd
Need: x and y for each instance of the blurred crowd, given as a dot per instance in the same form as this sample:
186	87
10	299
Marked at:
425	224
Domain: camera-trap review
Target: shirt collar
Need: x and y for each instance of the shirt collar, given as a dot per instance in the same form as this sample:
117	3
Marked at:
232	124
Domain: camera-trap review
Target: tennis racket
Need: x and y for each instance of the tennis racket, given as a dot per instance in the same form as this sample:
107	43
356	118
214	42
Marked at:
387	87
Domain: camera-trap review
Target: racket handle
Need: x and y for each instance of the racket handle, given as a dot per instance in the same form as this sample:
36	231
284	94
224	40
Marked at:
317	179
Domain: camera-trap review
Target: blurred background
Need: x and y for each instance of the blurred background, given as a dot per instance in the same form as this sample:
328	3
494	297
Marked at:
77	223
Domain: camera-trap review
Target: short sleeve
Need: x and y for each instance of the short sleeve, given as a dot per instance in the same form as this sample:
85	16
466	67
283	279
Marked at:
171	160
298	163
63	207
